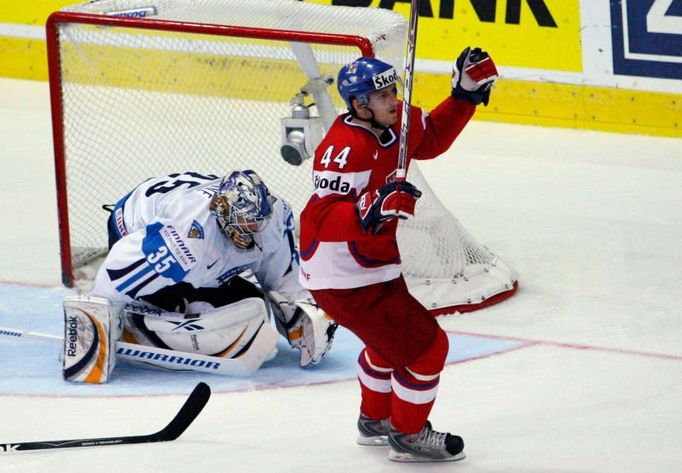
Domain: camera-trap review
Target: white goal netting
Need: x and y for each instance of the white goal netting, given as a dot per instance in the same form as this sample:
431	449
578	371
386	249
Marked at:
149	87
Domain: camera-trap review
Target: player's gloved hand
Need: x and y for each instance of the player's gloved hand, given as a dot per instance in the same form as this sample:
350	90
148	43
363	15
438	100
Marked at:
393	200
473	75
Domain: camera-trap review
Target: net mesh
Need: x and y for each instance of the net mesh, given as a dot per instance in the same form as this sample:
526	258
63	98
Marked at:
139	103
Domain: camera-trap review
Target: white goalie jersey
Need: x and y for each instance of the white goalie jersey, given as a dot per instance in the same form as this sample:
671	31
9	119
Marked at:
167	245
167	235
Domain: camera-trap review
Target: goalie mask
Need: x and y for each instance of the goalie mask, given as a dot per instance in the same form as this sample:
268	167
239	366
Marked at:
243	206
362	77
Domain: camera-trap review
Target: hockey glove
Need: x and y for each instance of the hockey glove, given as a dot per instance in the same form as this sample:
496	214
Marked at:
306	327
393	200
473	75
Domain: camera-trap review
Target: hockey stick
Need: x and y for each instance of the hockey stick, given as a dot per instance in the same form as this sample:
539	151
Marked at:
401	172
244	365
185	416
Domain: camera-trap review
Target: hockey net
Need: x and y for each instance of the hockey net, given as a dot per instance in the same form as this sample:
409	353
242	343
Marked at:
142	88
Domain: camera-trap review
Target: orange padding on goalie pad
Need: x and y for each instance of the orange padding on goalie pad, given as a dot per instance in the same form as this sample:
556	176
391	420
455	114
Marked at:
95	375
129	337
296	334
224	353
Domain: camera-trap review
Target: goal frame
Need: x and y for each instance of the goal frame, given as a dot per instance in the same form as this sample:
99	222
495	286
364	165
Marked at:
364	46
457	274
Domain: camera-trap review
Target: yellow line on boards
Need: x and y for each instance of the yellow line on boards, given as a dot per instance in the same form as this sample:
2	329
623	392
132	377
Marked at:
512	101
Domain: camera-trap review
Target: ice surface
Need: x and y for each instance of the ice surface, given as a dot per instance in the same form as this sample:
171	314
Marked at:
580	372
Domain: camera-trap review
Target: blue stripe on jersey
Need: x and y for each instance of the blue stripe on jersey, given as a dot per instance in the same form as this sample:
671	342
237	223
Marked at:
133	292
121	287
288	232
115	274
369	262
306	253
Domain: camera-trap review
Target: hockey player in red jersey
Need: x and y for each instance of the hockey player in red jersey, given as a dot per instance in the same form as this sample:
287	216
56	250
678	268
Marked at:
349	253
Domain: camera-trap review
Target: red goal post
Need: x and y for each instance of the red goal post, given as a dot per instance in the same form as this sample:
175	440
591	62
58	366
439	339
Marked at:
201	86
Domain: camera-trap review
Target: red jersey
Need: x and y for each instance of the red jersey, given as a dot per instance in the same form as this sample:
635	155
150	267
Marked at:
351	160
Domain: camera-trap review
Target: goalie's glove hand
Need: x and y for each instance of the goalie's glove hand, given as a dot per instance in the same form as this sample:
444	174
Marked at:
312	332
473	75
393	200
306	327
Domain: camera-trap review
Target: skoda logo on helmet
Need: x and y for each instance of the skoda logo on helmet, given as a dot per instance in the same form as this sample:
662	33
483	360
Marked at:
385	79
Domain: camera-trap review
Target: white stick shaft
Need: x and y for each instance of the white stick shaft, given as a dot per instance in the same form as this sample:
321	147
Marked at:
17	333
177	360
401	172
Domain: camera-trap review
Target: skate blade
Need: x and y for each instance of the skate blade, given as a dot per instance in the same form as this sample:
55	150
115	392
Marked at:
410	458
375	441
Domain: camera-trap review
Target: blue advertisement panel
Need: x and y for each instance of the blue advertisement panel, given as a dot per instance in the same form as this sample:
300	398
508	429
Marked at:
647	38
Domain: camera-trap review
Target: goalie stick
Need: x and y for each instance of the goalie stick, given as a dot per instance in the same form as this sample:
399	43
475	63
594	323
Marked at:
401	172
173	360
185	416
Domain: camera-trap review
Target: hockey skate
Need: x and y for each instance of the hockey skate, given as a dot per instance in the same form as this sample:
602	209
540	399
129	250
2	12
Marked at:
373	433
425	446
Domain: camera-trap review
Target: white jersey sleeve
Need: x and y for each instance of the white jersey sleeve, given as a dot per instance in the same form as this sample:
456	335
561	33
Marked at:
278	269
144	262
167	235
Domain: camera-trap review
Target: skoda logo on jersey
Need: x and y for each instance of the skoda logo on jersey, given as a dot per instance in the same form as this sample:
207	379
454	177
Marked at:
336	185
385	79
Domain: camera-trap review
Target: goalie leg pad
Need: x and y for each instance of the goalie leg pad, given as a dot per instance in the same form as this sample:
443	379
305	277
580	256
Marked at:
91	327
226	331
243	365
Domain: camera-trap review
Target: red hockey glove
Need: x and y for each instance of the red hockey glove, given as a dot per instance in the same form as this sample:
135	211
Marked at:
393	200
473	75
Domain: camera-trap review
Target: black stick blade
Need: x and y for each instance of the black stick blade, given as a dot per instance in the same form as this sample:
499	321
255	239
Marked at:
185	416
187	413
